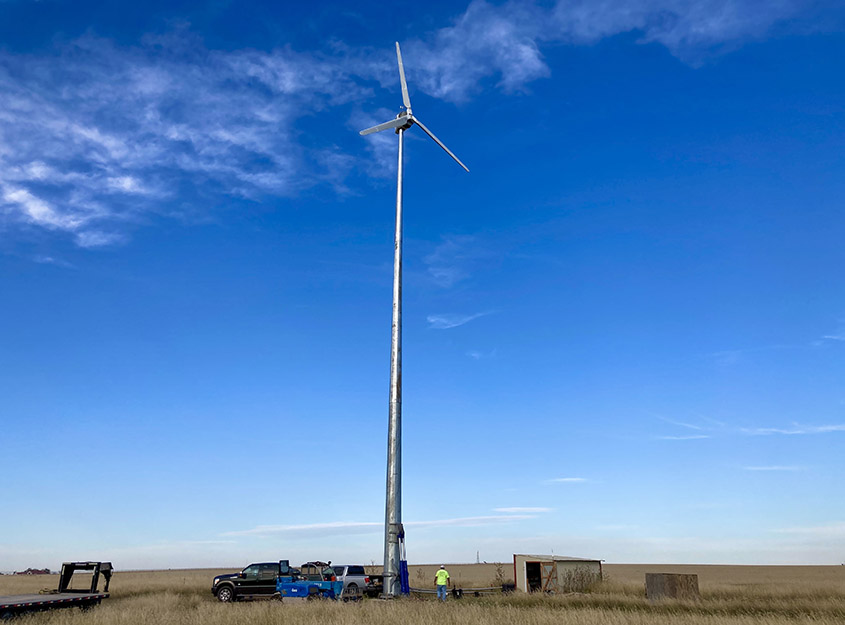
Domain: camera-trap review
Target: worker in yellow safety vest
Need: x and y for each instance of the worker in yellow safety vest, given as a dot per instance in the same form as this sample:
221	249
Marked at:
441	580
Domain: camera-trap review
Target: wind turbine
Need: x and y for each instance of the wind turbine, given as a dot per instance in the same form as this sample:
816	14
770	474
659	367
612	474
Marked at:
393	502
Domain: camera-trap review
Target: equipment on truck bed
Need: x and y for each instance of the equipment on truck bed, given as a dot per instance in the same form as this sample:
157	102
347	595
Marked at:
316	580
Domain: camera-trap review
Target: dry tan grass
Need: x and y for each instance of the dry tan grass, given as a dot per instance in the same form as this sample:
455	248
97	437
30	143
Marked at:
462	575
730	596
731	575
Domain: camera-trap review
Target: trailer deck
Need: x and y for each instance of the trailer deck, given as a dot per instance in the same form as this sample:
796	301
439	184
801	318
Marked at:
50	600
64	596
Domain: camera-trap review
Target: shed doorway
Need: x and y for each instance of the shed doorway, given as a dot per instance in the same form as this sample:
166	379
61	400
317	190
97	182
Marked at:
533	578
541	576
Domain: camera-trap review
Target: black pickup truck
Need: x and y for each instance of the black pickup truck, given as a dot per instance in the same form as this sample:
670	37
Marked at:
64	596
256	581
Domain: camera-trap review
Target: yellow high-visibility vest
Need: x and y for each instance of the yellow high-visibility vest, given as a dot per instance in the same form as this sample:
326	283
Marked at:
442	577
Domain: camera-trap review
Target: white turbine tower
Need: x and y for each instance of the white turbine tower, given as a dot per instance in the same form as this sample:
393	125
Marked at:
393	502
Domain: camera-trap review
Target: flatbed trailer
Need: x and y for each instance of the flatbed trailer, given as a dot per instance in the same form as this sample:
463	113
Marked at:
20	604
63	596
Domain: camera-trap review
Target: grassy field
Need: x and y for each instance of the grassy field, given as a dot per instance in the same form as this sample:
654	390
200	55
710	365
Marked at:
741	595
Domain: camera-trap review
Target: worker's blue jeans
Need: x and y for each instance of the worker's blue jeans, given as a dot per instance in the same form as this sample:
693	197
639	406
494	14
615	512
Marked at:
441	591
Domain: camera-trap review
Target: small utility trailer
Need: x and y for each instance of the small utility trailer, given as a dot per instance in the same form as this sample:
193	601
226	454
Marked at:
315	580
64	596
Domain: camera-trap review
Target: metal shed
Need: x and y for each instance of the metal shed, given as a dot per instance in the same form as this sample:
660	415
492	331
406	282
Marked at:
533	573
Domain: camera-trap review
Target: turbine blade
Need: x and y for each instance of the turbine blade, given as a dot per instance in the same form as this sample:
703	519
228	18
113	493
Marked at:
440	143
405	98
393	123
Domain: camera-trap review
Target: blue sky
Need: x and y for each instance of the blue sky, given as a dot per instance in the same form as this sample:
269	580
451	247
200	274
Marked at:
624	329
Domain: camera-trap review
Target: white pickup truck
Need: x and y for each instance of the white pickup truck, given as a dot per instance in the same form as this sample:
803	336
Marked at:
356	581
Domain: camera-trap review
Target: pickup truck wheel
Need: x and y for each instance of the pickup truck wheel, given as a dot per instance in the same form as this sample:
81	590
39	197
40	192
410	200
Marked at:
226	594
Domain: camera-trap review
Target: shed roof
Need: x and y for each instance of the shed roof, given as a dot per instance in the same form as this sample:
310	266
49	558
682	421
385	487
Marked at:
555	558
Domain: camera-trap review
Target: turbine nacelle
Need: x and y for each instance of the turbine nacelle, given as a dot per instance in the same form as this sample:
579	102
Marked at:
406	119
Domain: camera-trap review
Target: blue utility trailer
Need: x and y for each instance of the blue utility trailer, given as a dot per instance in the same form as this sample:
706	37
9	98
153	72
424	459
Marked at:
315	580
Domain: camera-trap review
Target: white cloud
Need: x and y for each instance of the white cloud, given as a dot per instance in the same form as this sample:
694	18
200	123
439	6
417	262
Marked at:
485	41
97	238
690	426
818	546
472	521
453	259
566	480
503	42
102	134
353	527
795	430
381	145
95	136
690	29
51	260
479	355
838	335
833	530
722	429
733	357
447	321
36	211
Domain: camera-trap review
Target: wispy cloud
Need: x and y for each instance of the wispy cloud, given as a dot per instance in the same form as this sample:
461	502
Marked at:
454	259
832	530
774	468
684	437
691	30
566	480
104	135
794	430
381	145
352	527
730	357
96	137
51	260
504	41
479	355
472	521
522	510
838	335
715	428
447	321
683	424
835	337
